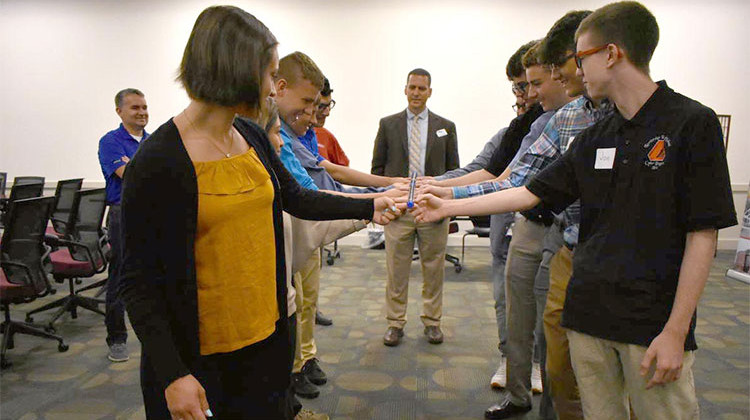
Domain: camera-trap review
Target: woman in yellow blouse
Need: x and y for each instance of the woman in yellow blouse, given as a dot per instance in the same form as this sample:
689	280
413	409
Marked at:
204	277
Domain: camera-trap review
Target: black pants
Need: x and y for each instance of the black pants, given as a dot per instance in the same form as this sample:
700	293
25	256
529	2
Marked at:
115	308
249	383
295	405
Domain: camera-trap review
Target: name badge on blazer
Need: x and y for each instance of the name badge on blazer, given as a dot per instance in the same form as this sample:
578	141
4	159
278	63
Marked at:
441	133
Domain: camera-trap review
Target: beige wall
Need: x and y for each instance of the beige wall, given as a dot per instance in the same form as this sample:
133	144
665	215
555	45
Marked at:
61	63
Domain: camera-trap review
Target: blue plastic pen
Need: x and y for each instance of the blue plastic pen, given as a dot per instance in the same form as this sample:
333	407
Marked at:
412	187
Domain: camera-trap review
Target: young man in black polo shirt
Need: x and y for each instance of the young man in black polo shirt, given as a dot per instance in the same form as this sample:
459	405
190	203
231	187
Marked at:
654	188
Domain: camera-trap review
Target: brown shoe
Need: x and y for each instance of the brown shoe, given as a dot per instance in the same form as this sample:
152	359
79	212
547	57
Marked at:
433	333
393	336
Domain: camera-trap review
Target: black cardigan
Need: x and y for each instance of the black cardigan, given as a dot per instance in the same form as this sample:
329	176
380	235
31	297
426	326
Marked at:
159	219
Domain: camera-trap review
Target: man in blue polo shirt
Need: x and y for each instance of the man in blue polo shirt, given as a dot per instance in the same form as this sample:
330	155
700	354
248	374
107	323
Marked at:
115	150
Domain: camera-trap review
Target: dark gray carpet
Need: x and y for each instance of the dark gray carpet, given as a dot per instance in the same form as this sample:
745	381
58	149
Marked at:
366	379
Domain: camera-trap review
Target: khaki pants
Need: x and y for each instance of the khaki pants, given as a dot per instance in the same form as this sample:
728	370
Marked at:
399	246
307	284
562	380
524	256
608	373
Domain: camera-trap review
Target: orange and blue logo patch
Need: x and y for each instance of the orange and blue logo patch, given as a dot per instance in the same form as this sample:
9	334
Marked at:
657	153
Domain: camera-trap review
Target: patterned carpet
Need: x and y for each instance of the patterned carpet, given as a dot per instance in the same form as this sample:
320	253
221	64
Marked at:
366	379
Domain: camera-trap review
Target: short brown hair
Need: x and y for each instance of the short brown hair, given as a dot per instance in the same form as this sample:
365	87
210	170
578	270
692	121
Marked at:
531	58
225	57
627	24
420	72
298	66
561	38
514	68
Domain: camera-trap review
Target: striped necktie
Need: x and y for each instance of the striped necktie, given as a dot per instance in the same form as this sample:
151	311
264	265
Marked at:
415	139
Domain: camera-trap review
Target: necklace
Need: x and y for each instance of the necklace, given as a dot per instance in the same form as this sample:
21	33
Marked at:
231	138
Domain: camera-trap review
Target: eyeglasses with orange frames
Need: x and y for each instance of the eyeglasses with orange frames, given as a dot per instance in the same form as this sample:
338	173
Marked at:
580	55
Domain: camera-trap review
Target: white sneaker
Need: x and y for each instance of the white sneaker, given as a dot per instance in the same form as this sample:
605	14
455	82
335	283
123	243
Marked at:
499	378
536	379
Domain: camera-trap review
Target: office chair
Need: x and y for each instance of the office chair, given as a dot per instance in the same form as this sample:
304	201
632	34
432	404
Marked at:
24	266
3	181
453	228
481	229
725	121
3	198
65	194
23	180
80	255
20	192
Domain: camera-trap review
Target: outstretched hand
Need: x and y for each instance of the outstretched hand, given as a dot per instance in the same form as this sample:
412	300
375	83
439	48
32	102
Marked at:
385	210
445	193
428	208
398	190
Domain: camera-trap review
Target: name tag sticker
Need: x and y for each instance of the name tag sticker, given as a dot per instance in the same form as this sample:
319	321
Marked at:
441	133
605	158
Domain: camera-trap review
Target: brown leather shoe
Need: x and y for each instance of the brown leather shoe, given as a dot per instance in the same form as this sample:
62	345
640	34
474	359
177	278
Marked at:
393	336
433	333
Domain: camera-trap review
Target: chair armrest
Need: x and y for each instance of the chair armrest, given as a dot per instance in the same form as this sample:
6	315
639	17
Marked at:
25	268
54	241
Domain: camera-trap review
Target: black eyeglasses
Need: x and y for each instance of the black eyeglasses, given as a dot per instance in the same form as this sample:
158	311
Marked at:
520	87
517	107
328	105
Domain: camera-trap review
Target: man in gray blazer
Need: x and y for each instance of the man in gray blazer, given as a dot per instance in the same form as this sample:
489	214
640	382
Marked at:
415	140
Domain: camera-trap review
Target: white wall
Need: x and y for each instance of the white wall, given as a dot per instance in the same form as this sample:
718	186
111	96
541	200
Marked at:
61	62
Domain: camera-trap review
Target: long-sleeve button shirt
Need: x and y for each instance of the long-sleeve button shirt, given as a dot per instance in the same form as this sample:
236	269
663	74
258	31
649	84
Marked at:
559	132
479	162
518	172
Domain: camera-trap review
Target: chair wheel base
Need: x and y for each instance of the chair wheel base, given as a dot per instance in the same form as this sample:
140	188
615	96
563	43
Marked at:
4	363
458	268
62	347
50	329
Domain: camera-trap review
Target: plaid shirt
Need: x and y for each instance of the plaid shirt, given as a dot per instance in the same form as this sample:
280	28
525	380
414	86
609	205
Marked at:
559	132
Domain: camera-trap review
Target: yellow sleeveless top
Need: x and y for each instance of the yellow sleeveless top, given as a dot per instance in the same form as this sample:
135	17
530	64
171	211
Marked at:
235	256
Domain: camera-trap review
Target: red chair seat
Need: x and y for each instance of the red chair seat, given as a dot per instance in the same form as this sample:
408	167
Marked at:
51	231
9	292
64	265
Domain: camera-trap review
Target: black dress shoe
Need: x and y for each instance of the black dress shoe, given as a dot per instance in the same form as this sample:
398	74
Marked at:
314	373
505	409
434	335
303	387
322	320
393	336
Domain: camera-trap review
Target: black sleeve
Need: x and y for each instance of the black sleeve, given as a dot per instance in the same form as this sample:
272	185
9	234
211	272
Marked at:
301	202
557	184
511	141
144	209
706	193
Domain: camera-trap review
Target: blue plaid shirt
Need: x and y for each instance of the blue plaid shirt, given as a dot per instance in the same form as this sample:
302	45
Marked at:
559	132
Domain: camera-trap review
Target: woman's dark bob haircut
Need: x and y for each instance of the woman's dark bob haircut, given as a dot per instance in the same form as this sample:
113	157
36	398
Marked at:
225	57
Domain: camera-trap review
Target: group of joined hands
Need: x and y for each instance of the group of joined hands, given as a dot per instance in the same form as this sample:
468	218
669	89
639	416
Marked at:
428	204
